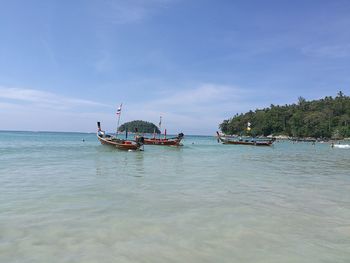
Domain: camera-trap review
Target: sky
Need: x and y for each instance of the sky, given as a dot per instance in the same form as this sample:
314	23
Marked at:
66	64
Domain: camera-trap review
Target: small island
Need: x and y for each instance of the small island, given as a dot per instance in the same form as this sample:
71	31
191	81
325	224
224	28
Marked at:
327	118
141	126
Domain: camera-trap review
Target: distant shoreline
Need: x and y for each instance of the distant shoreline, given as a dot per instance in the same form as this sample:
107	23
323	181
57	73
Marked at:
210	135
288	138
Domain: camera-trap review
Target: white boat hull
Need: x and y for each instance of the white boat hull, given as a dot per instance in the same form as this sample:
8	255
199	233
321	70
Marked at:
342	146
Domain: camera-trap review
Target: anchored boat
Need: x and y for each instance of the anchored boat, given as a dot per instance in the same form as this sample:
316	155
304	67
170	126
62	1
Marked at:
175	141
120	144
246	141
340	146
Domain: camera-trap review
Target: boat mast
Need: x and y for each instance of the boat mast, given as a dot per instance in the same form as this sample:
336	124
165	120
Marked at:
160	125
119	112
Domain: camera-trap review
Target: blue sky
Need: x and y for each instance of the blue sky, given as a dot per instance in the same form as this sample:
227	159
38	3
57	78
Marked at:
66	64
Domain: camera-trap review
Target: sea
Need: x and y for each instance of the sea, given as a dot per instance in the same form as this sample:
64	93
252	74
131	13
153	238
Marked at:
66	198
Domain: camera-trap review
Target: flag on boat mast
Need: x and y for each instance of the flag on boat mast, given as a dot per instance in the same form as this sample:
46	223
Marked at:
119	111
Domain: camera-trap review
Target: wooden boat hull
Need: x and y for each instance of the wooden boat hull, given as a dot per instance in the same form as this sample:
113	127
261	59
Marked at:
119	144
165	142
240	141
256	143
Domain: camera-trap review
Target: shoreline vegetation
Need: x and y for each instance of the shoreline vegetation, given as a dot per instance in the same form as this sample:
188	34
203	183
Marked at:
317	120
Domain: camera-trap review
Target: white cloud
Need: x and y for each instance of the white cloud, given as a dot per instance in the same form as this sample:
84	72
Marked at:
43	99
327	51
197	96
125	12
197	110
7	106
206	98
30	109
104	62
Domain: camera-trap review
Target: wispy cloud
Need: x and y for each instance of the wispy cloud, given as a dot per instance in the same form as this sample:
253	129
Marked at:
199	95
328	51
196	110
8	106
193	110
104	62
125	12
49	51
43	99
32	109
208	97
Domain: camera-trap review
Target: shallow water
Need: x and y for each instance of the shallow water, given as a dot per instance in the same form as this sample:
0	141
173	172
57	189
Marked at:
65	200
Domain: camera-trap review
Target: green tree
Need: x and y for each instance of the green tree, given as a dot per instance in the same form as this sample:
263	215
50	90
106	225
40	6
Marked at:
141	126
326	117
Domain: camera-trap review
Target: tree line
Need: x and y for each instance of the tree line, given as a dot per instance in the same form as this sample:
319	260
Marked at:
325	118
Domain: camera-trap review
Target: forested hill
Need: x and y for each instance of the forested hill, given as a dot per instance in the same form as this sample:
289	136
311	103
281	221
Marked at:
324	118
142	126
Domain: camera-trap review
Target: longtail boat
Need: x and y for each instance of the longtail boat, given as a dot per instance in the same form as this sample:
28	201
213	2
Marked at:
340	146
120	144
246	141
175	141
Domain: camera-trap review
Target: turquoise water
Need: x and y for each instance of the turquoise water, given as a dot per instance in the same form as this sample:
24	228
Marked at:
65	200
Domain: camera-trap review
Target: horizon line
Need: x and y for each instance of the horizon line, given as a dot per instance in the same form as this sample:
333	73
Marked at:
87	132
